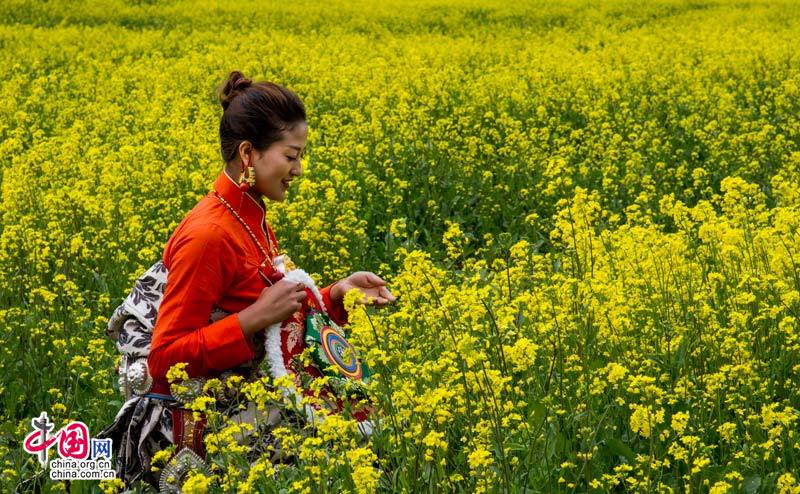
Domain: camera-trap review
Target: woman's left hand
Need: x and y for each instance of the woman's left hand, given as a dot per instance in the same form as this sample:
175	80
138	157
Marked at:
369	284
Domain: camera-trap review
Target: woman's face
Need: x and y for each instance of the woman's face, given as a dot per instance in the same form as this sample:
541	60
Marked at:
279	164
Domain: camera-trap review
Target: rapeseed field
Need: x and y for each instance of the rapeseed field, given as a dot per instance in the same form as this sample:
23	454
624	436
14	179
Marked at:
589	213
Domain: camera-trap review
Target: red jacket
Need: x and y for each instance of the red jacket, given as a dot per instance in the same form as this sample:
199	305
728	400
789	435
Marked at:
213	261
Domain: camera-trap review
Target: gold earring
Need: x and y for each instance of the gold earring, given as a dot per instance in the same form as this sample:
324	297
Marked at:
247	179
251	175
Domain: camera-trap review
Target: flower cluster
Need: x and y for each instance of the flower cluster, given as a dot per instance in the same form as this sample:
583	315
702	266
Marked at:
594	236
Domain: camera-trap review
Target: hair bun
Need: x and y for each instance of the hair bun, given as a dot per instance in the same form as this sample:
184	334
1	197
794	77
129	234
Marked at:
241	82
236	82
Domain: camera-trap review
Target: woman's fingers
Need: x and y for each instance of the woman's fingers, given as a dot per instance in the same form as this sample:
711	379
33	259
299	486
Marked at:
374	280
386	294
373	287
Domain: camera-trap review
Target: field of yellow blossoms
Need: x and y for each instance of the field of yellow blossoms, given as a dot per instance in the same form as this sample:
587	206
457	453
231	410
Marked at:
589	213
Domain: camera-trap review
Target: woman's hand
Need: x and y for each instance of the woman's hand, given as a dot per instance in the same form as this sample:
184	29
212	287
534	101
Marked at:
368	283
274	304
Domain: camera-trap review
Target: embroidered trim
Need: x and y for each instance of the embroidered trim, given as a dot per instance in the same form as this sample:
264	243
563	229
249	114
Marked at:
273	347
263	211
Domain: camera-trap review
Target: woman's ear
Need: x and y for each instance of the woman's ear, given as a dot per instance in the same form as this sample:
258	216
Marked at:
245	152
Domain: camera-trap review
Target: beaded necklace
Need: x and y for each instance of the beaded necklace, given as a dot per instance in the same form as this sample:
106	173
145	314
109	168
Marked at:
273	251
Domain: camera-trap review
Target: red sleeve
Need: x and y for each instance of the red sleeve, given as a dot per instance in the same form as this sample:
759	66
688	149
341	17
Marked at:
335	309
199	263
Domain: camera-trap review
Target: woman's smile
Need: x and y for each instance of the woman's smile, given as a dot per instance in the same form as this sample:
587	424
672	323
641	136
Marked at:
277	166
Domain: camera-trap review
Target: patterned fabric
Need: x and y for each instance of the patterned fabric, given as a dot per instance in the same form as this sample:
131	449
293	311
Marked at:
286	342
332	353
143	426
131	325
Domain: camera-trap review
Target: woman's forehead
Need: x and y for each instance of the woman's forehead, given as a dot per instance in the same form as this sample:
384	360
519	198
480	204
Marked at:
296	137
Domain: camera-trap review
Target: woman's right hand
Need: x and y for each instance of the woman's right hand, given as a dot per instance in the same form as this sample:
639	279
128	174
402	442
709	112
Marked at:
274	304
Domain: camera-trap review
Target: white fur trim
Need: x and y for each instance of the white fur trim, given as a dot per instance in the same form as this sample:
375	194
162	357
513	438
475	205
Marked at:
273	343
278	369
300	276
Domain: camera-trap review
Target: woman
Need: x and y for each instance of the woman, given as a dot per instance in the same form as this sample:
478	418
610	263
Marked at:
222	277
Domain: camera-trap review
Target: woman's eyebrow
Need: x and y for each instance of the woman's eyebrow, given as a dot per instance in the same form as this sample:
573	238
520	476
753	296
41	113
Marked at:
294	147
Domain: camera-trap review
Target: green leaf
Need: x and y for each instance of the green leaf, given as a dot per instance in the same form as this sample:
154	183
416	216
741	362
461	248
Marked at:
620	449
752	484
539	412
